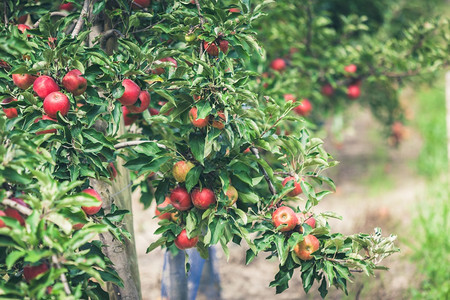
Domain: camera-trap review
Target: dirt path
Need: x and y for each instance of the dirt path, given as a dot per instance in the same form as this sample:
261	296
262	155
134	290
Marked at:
377	186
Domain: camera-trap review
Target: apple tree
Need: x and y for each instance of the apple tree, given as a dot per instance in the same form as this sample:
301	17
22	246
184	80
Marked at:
102	97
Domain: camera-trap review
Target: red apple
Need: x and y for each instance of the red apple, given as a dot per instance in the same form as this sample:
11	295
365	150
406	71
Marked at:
199	123
22	19
2	214
284	216
10	113
55	102
45	85
247	151
234	10
92	210
153	111
232	195
67	6
139	4
131	93
327	90
350	68
289	97
305	248
23	28
163	216
144	97
353	91
211	48
77	226
4	64
223	45
297	187
278	64
183	242
112	171
180	199
12	213
304	109
74	82
23	81
160	71
31	272
127	118
306	218
220	123
180	170
45	117
202	199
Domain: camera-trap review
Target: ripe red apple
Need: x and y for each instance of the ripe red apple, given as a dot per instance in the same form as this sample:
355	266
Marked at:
223	45
92	210
211	48
305	248
327	90
23	81
183	242
4	64
10	113
289	97
12	213
131	93
153	111
306	218
202	199
304	109
67	6
180	170
112	171
23	28
139	4
2	214
127	118
278	64
74	82
247	151
55	102
234	10
180	198
297	187
45	85
232	195
219	124
199	123
163	216
31	272
77	226
144	97
350	68
284	215
353	91
45	117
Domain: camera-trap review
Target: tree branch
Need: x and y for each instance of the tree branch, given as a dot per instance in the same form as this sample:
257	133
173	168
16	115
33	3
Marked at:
266	176
20	208
202	19
52	14
109	34
80	21
62	276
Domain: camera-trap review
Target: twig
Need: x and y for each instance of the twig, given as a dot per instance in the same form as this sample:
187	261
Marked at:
80	21
20	208
62	276
52	14
266	176
202	19
135	143
148	27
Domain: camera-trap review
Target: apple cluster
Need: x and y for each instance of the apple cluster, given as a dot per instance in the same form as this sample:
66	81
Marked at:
182	200
214	47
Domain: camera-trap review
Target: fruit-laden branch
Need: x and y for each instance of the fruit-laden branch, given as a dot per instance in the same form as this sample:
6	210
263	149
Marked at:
52	14
26	211
266	176
80	21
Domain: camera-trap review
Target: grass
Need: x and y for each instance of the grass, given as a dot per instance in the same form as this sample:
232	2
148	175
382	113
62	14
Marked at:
431	246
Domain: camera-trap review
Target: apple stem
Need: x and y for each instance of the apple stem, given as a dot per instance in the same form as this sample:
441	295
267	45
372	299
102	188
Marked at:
80	21
266	176
62	276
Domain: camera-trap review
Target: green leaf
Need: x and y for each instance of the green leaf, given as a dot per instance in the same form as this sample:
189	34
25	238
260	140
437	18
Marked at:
197	145
192	177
